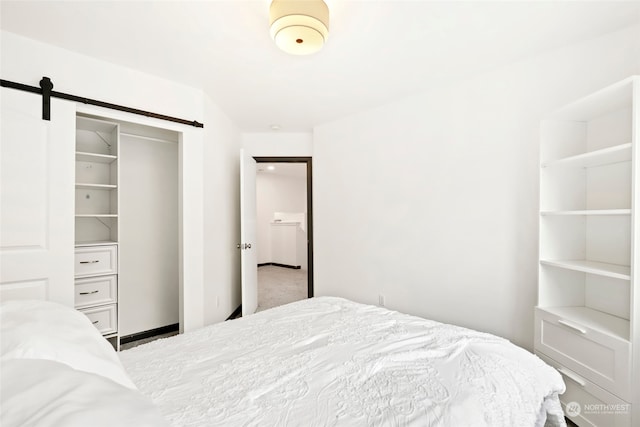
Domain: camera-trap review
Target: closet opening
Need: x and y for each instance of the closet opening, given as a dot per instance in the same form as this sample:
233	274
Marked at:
128	200
284	230
149	232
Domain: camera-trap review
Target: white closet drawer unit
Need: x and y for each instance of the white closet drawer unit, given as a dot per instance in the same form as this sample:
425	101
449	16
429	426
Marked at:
94	291
596	356
597	407
103	318
96	260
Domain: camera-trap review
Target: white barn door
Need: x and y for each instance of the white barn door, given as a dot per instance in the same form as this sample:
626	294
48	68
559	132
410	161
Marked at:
36	198
248	253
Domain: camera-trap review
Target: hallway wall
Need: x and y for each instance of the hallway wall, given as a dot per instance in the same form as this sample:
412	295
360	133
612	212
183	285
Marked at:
277	192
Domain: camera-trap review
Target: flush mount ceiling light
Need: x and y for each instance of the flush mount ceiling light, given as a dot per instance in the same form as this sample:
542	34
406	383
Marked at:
299	27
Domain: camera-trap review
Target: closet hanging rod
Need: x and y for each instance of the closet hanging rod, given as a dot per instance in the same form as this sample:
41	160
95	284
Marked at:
46	92
148	138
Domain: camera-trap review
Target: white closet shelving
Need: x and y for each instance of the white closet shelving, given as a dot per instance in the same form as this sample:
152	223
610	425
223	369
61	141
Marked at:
96	223
96	181
586	313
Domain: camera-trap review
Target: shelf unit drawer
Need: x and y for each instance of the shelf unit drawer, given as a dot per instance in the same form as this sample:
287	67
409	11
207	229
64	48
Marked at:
103	318
596	356
94	291
597	407
96	260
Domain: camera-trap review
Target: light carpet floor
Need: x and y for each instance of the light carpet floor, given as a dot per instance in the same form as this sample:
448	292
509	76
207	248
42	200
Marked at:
280	285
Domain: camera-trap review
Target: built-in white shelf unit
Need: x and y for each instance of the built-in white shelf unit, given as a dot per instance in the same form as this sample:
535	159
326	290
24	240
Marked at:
587	313
96	200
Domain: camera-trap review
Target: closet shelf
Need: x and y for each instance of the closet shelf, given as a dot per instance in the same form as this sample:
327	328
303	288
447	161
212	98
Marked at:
593	267
588	212
83	156
96	215
96	186
605	156
81	244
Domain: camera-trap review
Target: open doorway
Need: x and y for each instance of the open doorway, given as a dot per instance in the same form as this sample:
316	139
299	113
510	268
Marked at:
284	230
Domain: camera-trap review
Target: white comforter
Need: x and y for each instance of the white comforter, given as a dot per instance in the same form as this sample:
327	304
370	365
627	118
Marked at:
328	361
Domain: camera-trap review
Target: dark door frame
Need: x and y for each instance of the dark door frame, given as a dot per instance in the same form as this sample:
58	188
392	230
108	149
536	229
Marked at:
308	162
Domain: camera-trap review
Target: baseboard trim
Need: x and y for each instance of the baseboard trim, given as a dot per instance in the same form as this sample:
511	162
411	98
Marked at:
275	264
236	313
150	333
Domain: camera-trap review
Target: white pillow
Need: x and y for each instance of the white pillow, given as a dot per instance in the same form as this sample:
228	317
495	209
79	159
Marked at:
34	329
45	393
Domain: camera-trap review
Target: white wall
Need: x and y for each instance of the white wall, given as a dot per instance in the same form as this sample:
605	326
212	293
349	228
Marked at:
276	193
278	143
148	229
432	201
27	61
209	196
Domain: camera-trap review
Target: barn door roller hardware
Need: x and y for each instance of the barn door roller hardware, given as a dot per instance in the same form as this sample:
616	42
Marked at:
46	86
47	93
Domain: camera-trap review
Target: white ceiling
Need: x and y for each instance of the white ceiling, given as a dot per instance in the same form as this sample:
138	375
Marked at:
377	51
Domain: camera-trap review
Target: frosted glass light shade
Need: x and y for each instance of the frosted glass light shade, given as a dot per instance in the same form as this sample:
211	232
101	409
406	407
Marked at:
299	27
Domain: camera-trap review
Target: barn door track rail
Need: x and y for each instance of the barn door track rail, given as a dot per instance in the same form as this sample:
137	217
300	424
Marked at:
47	92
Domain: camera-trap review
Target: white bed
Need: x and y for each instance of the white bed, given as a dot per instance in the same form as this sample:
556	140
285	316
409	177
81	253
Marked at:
329	361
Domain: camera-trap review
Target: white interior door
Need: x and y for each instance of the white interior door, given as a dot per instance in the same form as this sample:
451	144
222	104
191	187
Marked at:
36	198
248	253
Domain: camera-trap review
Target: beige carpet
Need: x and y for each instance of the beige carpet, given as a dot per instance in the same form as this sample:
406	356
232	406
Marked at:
280	285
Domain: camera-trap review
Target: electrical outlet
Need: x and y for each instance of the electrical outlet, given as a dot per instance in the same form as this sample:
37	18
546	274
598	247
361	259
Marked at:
381	300
217	301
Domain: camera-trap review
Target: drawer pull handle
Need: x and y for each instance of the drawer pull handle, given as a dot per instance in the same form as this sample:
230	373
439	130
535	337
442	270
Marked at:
576	379
574	327
89	293
90	262
95	321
